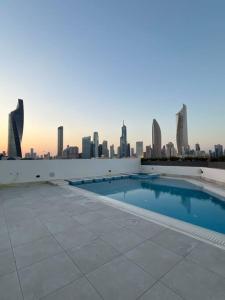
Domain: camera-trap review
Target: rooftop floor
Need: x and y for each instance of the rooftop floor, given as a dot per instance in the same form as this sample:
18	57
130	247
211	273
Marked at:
59	244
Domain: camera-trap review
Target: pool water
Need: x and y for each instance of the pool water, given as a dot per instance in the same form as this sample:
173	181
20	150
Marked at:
174	198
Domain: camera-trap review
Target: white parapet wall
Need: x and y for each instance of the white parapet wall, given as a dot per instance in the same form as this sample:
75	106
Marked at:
172	170
217	175
21	171
214	174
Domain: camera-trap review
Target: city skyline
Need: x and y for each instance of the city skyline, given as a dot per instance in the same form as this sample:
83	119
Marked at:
142	64
156	143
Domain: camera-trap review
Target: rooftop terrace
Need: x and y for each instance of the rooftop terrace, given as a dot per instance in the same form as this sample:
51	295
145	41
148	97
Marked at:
57	243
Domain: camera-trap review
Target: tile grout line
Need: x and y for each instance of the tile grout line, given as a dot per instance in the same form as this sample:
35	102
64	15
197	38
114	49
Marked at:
159	279
124	255
201	267
100	295
60	288
63	251
83	274
14	257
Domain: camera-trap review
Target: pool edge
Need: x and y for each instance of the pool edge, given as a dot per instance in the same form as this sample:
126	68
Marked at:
205	235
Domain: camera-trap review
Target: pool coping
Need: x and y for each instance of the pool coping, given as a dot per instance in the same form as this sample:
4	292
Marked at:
202	234
209	187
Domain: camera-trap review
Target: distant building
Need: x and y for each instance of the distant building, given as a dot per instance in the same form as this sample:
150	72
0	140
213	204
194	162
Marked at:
148	152
156	139
71	152
170	150
139	149
47	156
96	143
118	151
197	150
92	149
182	131
197	147
27	155
86	147
128	150
112	151
33	154
60	142
210	153
132	154
105	150
163	152
218	151
15	130
123	142
100	150
202	154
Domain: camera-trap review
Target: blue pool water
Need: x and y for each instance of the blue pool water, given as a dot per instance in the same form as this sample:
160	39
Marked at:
174	198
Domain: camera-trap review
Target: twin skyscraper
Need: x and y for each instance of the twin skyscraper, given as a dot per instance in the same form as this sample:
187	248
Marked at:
181	135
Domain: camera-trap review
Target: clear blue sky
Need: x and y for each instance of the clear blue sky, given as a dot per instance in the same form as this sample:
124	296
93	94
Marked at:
88	65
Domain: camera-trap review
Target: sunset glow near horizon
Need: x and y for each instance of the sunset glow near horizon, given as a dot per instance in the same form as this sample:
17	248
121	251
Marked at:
89	65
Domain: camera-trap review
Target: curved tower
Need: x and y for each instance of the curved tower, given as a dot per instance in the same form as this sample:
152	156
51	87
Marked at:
182	132
15	130
156	139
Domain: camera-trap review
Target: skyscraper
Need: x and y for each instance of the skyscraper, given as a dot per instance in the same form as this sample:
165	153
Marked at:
148	152
96	143
15	130
139	149
112	151
182	131
86	147
128	150
123	142
92	149
218	150
156	139
105	150
170	150
60	141
71	152
197	149
100	150
163	151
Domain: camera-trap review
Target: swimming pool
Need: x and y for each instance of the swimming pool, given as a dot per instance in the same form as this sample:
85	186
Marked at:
178	199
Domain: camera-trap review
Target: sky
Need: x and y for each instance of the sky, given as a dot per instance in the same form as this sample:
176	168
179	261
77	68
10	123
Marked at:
90	64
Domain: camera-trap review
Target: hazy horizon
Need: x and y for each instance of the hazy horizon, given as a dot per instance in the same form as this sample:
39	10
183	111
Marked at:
90	65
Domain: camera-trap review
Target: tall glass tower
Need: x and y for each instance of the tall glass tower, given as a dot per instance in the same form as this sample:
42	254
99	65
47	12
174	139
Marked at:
86	147
96	143
15	130
60	142
123	142
182	131
156	139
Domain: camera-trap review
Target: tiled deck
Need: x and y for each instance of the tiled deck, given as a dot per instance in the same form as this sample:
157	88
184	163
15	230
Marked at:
57	244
